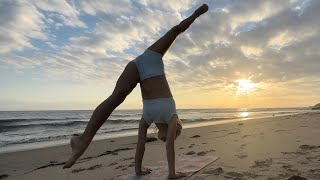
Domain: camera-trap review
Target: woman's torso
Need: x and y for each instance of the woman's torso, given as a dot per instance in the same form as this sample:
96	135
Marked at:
155	87
153	81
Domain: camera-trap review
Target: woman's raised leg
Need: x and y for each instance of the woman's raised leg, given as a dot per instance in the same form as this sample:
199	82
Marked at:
162	45
125	84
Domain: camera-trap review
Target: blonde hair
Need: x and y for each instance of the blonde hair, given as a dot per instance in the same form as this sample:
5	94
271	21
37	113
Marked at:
179	128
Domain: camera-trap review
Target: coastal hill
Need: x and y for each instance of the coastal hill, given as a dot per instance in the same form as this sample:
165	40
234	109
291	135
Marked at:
316	107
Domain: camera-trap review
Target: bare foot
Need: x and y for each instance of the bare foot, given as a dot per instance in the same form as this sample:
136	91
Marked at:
78	146
201	10
178	175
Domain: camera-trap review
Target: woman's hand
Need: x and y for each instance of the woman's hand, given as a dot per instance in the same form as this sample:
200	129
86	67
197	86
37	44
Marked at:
178	175
143	171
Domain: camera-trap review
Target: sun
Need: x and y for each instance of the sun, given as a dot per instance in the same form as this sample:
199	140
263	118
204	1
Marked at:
244	86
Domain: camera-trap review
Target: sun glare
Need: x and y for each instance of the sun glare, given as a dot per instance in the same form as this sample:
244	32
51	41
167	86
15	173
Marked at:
244	114
244	86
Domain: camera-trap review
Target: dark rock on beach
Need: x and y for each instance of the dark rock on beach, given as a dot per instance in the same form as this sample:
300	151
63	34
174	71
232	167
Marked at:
295	177
2	176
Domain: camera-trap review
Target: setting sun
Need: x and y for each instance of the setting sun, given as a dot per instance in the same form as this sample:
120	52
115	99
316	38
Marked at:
244	86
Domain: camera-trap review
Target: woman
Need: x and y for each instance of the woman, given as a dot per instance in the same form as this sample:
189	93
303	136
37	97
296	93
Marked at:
158	103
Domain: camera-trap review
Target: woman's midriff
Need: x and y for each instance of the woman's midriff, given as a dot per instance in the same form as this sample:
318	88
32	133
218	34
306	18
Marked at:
155	87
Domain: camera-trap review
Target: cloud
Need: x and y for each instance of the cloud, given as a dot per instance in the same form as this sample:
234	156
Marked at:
23	21
273	42
293	33
19	21
63	10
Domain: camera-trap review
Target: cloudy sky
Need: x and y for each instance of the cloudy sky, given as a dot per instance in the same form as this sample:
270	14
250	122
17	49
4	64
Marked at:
242	53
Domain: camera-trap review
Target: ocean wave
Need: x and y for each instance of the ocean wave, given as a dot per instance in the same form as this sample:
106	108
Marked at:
205	120
15	120
57	137
12	127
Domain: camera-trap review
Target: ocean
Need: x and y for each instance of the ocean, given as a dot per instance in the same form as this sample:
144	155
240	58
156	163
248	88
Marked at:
21	130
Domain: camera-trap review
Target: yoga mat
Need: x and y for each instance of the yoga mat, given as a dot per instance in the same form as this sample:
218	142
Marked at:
185	164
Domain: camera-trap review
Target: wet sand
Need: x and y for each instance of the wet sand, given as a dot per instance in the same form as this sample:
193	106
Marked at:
285	147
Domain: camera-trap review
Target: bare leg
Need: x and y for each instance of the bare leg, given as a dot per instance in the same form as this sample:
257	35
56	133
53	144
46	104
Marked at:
125	84
162	45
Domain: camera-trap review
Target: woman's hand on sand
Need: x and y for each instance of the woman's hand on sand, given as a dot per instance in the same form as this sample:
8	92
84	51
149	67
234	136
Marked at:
178	175
201	10
143	171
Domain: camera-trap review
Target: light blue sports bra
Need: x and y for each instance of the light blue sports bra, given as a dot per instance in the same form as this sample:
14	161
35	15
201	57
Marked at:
149	64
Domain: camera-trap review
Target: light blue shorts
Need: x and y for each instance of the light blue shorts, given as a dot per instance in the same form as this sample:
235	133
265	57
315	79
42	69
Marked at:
158	110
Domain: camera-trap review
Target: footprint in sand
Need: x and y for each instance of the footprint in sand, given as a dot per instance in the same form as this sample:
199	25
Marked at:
261	164
121	166
131	165
216	171
195	136
233	132
191	146
78	170
234	175
112	164
198	178
251	175
308	147
202	153
211	150
279	130
241	156
95	167
190	153
90	168
125	159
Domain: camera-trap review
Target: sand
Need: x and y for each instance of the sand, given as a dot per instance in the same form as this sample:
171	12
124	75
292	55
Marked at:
285	147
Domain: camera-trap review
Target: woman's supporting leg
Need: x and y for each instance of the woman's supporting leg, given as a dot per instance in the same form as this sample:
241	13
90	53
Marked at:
162	45
125	84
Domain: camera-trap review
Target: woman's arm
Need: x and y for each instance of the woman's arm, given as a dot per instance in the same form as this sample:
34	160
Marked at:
171	135
142	134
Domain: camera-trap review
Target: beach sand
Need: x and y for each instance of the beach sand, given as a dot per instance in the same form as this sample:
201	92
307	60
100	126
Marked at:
265	148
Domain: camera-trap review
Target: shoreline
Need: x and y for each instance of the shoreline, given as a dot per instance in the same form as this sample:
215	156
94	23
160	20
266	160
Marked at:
274	147
105	136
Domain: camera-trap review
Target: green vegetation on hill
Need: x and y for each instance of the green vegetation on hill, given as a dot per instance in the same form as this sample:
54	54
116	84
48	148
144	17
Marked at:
316	107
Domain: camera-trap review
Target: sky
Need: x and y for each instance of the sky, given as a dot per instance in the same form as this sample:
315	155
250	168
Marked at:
68	54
